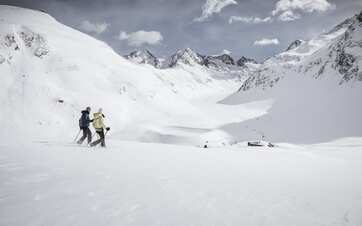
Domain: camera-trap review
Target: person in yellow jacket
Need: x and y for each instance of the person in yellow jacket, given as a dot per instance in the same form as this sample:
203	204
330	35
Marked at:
99	126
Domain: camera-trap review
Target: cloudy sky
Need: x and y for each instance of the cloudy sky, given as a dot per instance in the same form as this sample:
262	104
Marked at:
252	28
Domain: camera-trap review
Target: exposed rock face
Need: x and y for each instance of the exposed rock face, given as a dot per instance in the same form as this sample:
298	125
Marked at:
224	58
24	37
189	57
346	54
186	56
219	61
143	56
294	44
243	60
335	55
359	17
2	59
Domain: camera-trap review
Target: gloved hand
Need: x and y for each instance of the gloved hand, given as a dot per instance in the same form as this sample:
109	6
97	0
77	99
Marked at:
108	128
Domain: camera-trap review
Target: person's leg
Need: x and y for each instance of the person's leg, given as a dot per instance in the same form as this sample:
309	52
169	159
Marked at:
80	141
94	143
89	135
103	143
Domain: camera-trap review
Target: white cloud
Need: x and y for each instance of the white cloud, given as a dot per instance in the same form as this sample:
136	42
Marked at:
213	7
266	41
307	6
250	20
225	51
289	16
97	28
141	37
288	10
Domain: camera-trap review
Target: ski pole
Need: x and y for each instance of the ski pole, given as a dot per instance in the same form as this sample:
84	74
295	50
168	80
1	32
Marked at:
76	138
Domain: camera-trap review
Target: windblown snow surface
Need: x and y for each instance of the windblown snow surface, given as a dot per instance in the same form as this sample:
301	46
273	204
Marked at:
132	183
153	171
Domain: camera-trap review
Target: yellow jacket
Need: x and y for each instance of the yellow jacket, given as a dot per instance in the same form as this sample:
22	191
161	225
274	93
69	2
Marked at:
98	123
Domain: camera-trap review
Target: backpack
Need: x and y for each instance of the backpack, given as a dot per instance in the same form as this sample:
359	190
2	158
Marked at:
83	121
98	121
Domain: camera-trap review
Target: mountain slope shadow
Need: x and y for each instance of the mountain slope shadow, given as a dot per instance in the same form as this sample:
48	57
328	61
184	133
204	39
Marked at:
305	113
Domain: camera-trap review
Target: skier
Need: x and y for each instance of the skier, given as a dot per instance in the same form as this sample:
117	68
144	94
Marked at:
84	126
99	126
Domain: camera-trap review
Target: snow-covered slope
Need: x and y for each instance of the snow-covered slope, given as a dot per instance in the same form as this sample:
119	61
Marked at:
50	72
316	88
135	184
336	54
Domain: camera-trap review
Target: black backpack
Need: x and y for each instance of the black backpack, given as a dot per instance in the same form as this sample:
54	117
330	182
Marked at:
83	121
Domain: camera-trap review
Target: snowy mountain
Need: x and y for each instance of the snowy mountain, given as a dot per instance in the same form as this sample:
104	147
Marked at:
314	87
343	57
217	60
143	56
243	61
186	56
189	57
332	55
50	72
294	44
219	66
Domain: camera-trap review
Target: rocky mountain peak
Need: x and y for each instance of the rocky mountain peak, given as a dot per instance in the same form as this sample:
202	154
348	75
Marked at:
337	57
186	56
359	17
243	60
143	56
218	60
294	44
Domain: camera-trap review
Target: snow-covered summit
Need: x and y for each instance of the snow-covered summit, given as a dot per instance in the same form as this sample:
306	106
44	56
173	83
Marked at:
243	61
216	65
186	56
336	55
144	56
219	59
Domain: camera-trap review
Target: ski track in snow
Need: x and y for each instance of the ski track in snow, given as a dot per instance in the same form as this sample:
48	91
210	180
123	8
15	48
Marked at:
132	183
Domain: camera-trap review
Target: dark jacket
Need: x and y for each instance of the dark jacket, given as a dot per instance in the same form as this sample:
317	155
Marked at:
84	120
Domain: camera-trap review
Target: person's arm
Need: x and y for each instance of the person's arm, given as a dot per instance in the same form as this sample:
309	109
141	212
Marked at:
104	126
102	123
89	120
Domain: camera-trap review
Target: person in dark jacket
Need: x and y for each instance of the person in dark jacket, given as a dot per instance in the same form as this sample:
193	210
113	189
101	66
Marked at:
84	122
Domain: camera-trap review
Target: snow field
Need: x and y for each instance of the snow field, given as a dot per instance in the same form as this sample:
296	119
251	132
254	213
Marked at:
131	183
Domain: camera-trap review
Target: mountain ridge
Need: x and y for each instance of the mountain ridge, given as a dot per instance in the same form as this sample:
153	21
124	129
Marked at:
311	58
187	56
